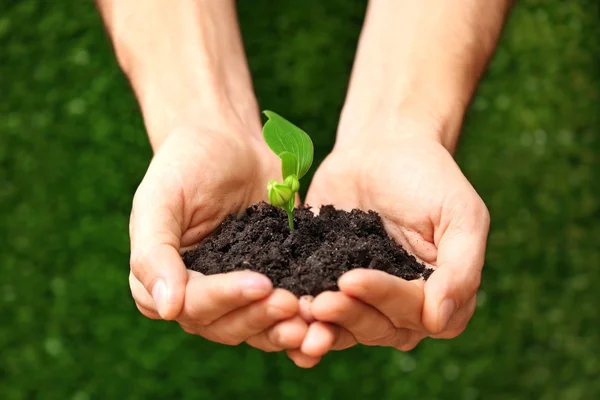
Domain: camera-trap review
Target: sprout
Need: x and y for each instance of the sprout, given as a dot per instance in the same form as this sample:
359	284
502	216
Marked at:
279	195
295	149
292	182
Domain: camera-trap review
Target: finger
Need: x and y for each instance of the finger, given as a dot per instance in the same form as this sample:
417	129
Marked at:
263	343
319	339
344	340
367	325
239	325
140	294
302	360
459	321
399	300
162	272
323	337
209	297
305	313
412	342
461	253
147	312
155	230
287	334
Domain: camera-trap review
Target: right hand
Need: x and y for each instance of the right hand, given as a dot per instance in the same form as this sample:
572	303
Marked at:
197	177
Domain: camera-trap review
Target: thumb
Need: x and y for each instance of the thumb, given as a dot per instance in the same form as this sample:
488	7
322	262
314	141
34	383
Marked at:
155	232
461	254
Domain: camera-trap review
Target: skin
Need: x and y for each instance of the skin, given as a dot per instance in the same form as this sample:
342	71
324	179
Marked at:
209	161
406	172
417	66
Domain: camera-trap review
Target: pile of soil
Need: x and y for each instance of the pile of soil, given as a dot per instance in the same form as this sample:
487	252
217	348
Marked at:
308	260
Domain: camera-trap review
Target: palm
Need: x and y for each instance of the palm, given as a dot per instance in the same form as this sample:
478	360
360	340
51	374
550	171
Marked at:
430	208
207	177
413	188
195	180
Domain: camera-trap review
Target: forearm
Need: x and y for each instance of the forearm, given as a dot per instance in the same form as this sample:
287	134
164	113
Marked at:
185	61
419	62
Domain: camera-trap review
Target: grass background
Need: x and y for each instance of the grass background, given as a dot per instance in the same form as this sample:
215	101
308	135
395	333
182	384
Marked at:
73	149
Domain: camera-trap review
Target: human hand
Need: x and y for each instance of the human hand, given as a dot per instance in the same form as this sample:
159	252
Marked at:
429	207
197	177
186	64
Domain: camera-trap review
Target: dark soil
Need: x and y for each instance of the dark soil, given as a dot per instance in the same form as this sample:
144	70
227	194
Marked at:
308	260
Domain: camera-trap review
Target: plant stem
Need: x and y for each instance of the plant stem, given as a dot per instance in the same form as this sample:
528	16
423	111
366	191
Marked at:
290	215
290	211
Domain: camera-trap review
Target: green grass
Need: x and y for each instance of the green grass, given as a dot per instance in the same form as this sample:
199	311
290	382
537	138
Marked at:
73	149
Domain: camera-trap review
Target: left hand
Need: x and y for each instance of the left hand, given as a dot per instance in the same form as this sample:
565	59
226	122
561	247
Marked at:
428	206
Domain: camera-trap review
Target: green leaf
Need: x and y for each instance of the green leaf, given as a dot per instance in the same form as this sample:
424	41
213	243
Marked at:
289	164
283	136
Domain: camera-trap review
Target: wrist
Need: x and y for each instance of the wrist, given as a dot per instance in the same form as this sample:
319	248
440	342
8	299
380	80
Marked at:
168	105
186	63
420	61
374	122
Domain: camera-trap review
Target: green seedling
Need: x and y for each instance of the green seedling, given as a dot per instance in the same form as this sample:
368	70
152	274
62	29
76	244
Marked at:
295	149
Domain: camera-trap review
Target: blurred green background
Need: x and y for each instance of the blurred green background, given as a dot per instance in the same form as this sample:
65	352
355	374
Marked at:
73	149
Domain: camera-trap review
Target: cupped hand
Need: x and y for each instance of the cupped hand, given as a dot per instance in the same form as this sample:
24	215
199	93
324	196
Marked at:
429	207
197	177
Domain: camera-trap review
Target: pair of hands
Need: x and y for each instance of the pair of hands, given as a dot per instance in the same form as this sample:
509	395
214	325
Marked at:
199	176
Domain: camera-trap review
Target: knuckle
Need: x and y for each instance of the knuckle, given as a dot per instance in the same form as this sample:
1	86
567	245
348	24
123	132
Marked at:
379	339
399	322
407	341
197	320
203	321
408	346
407	320
134	205
227	339
471	288
187	328
484	214
139	263
138	260
476	283
147	313
373	341
330	311
260	343
194	316
232	341
331	314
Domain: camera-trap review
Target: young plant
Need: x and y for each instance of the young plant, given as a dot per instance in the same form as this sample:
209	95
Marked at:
295	149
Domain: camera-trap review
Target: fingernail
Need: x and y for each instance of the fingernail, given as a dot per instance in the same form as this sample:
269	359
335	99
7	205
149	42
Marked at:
159	294
446	310
256	286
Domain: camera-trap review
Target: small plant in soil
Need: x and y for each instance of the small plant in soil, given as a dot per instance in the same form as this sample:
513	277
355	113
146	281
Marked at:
303	253
295	149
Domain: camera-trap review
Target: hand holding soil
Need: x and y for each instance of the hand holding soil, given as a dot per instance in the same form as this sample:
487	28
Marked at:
426	204
187	66
430	208
195	180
